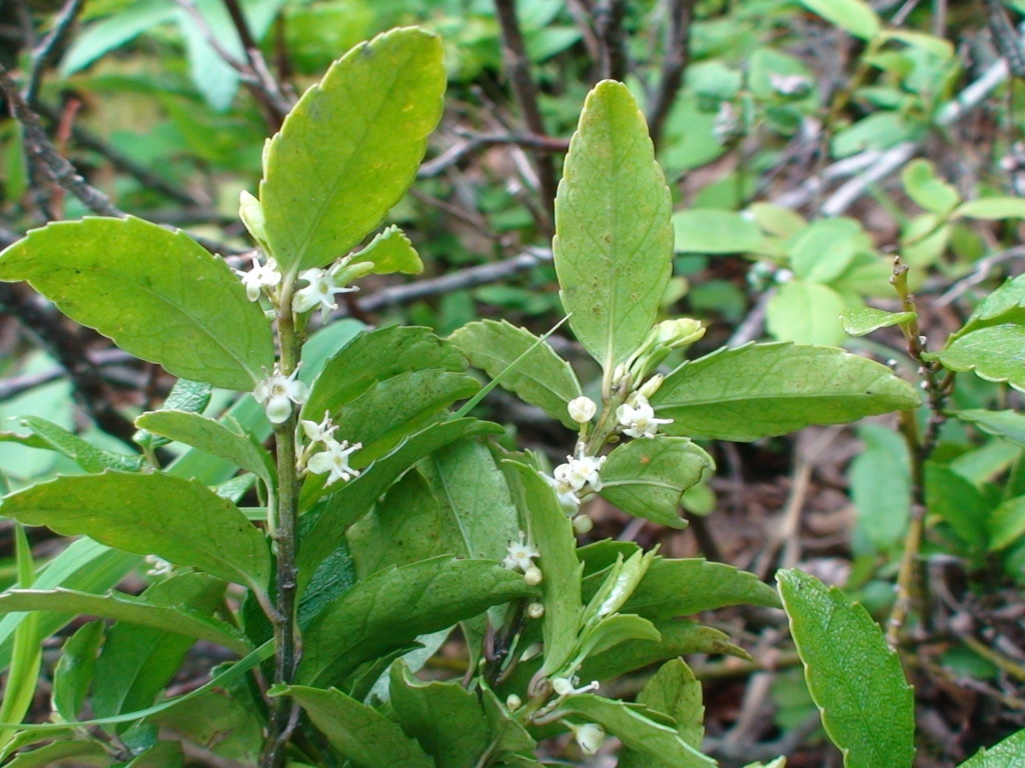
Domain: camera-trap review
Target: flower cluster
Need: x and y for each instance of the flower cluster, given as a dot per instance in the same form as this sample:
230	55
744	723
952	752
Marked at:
520	557
277	392
334	459
320	292
637	417
577	475
260	277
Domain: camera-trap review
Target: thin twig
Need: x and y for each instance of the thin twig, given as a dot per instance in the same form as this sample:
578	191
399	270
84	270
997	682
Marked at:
518	69
674	64
17	385
47	51
608	23
474	142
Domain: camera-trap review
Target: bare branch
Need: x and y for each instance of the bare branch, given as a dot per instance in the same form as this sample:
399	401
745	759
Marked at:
47	51
674	64
474	142
608	23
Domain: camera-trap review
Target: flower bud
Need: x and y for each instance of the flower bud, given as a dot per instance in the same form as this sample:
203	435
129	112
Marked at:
533	576
680	332
582	524
563	686
535	611
590	737
513	702
582	409
651	386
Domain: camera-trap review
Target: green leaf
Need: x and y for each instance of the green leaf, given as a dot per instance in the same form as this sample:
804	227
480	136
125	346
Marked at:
74	671
85	454
184	310
614	242
540	377
363	735
552	534
27	652
867	707
635	730
995	353
992	208
335	169
854	16
822	251
1006	523
806	313
114	31
377	356
181	521
391	251
389	609
925	188
133	610
445	718
646	477
166	754
1009	425
880	483
83	752
957	502
760	390
673	588
212	437
229	724
1004	305
509	737
860	321
1009	753
328	521
709	230
675	692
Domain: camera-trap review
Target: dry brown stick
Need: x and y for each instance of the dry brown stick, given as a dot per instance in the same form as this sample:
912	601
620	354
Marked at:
523	86
47	51
608	23
474	142
674	64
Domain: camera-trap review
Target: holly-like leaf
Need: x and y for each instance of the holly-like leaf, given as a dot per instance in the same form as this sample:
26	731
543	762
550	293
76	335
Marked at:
181	521
1009	753
646	477
860	321
391	251
350	148
760	390
867	707
673	691
540	377
614	241
995	353
363	735
132	610
1009	425
1004	305
388	610
85	454
211	437
157	294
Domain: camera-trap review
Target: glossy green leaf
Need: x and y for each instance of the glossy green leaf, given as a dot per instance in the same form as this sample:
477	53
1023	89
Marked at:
860	321
709	230
675	692
679	638
806	313
85	454
1009	425
867	707
73	673
540	377
854	16
614	241
635	730
133	610
1004	305
113	31
389	609
82	752
926	189
165	754
995	353
211	437
822	251
137	662
227	723
957	502
363	735
184	310
992	208
335	169
376	356
1006	523
181	521
327	522
1009	753
27	652
760	390
552	534
391	251
445	718
647	476
880	486
507	734
672	588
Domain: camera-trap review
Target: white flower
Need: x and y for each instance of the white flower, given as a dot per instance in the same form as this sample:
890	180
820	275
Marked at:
582	409
277	393
259	277
567	498
334	460
161	567
320	292
639	420
578	473
565	686
589	736
319	433
520	555
790	85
